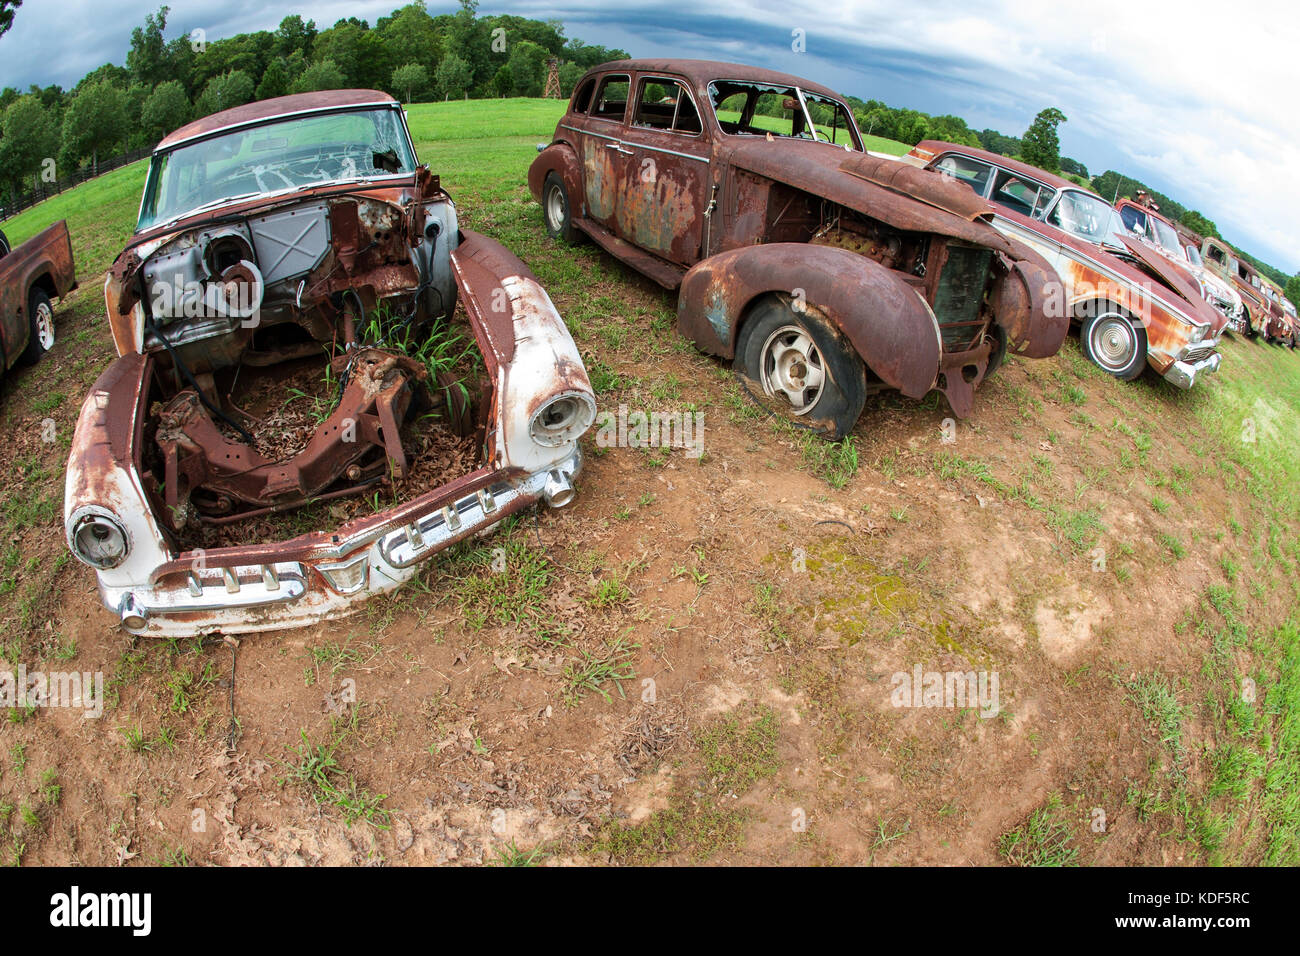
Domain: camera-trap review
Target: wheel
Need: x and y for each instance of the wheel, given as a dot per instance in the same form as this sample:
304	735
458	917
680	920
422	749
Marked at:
555	209
1115	343
804	366
4	245
40	317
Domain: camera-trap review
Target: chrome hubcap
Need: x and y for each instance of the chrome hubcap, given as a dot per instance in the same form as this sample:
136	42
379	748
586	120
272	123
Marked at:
1114	342
555	208
793	368
45	326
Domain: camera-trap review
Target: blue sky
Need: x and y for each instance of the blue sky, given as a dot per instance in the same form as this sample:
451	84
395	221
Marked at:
1194	98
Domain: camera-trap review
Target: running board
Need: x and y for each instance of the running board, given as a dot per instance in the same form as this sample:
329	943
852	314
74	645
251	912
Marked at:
665	273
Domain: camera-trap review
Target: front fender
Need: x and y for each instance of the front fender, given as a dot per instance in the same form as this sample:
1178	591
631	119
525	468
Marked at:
526	349
562	159
886	319
1024	305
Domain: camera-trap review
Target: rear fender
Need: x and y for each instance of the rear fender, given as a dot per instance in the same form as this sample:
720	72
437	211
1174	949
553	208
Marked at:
887	321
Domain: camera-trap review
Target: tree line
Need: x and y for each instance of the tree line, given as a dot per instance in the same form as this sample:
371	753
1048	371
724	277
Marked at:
165	83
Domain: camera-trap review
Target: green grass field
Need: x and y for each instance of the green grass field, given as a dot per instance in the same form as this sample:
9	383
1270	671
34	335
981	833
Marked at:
1195	497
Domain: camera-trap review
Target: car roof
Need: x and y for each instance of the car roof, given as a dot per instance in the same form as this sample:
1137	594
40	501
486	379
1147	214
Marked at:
269	109
938	147
702	72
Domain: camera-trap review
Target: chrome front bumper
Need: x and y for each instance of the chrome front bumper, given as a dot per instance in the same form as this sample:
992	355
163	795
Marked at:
279	594
1184	373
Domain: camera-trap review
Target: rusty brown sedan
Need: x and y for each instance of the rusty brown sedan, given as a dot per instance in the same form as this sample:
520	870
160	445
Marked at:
824	272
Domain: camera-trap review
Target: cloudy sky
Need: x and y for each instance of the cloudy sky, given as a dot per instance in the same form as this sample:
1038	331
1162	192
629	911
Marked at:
1196	99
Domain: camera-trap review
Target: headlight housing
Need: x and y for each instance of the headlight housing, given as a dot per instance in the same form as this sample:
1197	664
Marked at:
98	538
562	418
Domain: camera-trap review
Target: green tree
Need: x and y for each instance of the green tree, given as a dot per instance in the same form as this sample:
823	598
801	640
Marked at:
29	136
166	108
453	77
1293	289
94	125
7	8
324	75
570	74
410	36
295	34
224	92
147	57
410	79
275	81
1199	224
527	64
1040	146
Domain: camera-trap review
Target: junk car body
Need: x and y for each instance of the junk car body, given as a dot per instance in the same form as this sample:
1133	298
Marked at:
298	240
825	273
1161	235
1133	307
31	275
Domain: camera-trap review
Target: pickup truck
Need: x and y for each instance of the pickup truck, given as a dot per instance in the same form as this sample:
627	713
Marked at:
31	275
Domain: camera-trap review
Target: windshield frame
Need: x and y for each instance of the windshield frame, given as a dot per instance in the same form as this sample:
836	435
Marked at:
378	175
1114	215
802	97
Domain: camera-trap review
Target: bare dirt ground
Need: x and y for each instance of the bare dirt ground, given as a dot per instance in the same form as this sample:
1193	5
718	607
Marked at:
695	661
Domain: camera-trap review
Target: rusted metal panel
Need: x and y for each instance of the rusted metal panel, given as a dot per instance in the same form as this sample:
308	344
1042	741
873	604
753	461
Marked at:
45	260
883	315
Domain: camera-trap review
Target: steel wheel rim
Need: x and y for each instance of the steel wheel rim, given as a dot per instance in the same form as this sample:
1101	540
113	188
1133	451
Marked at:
1114	342
45	326
555	208
792	367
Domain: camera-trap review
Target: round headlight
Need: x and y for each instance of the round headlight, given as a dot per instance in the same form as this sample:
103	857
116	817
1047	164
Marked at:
561	419
98	539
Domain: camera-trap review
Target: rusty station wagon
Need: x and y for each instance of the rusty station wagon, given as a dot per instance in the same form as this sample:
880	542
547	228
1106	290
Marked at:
1134	308
295	422
824	272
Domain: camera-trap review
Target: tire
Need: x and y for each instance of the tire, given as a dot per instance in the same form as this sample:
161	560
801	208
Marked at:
999	353
4	245
40	322
776	349
1115	343
556	211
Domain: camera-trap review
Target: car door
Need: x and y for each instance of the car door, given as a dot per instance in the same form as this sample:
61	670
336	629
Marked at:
664	183
598	132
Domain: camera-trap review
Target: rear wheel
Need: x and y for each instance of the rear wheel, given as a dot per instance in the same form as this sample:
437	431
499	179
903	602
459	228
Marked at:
556	209
4	246
806	369
1115	343
40	318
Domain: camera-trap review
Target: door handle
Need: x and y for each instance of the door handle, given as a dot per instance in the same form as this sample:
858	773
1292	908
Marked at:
618	147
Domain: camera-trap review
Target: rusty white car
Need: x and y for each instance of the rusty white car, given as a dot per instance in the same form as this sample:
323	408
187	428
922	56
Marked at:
280	244
1160	234
1133	307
